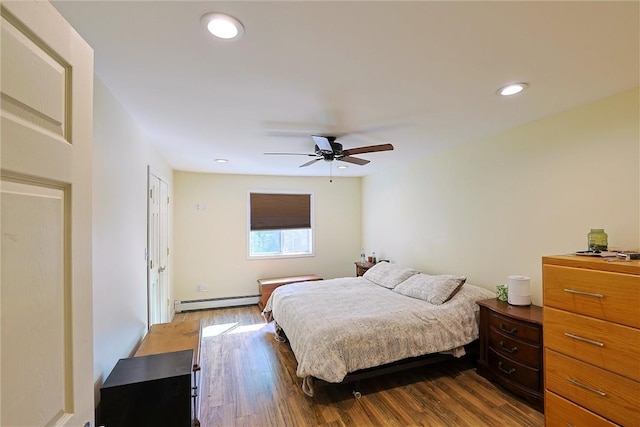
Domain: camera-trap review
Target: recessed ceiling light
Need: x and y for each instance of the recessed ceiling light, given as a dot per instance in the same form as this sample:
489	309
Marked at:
342	167
512	89
222	26
220	160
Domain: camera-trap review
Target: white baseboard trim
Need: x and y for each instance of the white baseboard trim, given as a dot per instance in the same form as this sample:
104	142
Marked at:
204	304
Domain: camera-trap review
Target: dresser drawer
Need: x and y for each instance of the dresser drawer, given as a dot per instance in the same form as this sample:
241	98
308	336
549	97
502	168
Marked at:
605	393
513	371
604	344
514	328
561	412
601	294
520	351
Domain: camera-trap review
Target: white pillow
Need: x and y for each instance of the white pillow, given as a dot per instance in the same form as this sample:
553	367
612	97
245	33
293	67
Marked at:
433	289
388	275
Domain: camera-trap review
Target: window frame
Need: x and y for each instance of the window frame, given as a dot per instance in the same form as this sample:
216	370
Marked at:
311	220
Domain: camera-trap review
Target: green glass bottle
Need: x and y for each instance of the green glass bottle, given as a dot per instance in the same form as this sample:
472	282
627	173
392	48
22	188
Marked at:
597	240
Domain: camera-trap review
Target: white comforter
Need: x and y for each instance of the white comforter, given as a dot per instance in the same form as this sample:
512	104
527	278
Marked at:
343	325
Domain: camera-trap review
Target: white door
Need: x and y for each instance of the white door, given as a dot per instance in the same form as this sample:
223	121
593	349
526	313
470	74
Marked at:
158	250
163	240
46	327
153	262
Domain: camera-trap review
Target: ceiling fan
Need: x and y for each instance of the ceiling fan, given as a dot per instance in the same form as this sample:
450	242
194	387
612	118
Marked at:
328	149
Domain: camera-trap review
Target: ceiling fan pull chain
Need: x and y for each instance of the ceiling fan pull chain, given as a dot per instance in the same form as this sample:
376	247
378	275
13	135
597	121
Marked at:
330	172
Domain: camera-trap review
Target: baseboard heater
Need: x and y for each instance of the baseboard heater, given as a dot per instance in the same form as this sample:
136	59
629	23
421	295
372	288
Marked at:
204	304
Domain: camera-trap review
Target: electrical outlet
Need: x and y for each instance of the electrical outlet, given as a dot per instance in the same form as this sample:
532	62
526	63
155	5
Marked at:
204	288
198	288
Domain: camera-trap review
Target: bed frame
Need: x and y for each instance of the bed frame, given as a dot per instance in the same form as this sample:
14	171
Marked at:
471	349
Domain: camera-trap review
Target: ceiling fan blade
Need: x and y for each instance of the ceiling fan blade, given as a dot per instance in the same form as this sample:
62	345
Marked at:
311	162
289	154
353	160
369	149
323	143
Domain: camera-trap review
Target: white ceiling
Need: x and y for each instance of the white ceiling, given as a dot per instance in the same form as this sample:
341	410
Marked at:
421	75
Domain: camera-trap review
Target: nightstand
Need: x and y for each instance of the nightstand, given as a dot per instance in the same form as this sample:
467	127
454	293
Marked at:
511	348
362	267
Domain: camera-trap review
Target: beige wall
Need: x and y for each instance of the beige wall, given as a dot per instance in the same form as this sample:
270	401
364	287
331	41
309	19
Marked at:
210	246
120	158
494	207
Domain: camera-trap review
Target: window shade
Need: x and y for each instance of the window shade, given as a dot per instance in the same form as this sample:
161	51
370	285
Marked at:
280	211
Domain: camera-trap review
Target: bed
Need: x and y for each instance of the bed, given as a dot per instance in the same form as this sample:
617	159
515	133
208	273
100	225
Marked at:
341	326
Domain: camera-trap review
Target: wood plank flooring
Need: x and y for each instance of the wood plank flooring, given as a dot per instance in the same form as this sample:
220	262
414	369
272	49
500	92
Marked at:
249	379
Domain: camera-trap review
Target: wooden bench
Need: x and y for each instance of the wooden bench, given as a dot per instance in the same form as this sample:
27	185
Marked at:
177	336
267	286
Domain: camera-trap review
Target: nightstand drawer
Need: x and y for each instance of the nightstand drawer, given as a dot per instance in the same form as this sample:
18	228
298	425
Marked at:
610	395
514	328
561	412
517	350
604	344
513	371
600	294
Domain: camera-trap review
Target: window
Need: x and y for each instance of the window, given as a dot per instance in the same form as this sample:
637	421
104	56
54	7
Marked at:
280	225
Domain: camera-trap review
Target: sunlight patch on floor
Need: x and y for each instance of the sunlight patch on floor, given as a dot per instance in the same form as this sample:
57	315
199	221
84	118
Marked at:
247	328
215	330
229	328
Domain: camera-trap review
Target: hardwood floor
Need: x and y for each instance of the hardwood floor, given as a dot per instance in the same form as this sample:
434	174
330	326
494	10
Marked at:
249	379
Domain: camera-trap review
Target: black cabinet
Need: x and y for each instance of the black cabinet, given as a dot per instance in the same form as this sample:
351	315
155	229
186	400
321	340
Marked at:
152	390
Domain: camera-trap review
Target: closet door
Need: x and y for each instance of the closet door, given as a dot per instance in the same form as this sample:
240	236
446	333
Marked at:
154	268
46	326
158	250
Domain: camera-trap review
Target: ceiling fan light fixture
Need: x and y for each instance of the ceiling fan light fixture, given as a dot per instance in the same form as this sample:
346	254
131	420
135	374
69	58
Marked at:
222	25
512	89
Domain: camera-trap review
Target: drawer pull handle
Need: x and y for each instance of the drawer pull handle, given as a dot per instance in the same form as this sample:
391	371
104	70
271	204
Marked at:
589	294
509	331
576	337
508	372
586	387
510	350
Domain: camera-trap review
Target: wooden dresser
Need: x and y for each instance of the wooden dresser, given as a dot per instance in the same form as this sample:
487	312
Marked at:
171	337
511	348
592	341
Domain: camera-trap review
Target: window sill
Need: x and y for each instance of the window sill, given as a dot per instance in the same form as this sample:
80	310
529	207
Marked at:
288	256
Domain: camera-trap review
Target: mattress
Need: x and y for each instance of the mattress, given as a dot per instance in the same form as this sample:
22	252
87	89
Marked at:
343	325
